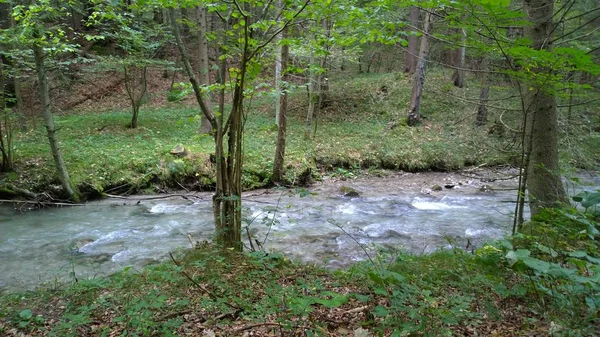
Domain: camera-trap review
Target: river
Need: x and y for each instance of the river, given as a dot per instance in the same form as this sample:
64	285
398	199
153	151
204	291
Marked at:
398	211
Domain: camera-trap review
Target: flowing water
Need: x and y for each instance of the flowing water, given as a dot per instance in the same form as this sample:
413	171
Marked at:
399	211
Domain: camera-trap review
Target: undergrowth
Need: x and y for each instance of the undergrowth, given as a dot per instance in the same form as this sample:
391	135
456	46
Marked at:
543	281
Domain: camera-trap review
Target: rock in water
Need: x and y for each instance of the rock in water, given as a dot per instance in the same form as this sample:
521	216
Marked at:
436	188
179	151
76	245
348	191
486	189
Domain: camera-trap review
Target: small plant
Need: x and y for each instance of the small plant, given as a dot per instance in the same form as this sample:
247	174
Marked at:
178	92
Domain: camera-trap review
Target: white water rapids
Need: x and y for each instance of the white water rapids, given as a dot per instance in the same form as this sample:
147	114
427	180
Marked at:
399	211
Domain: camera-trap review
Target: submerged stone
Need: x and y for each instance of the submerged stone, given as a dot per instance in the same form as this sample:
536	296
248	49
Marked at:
348	191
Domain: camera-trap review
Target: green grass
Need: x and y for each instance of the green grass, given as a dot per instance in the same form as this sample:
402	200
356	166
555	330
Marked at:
362	126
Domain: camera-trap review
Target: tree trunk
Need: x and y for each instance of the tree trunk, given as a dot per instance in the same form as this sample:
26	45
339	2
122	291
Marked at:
544	181
410	61
278	69
227	198
278	171
312	98
484	93
458	60
414	110
44	88
203	66
17	82
5	136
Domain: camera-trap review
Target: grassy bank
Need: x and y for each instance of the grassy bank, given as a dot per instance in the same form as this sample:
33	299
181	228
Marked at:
529	285
353	132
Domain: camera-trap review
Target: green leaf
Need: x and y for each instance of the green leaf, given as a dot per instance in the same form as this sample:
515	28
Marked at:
537	265
26	314
335	301
380	311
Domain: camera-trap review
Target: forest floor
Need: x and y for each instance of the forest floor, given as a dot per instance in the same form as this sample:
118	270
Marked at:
208	292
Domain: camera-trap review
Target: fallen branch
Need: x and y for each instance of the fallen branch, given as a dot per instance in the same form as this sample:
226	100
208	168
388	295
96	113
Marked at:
22	191
257	325
39	203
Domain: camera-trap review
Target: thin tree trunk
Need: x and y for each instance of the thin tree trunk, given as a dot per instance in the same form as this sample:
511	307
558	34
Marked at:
459	57
281	122
4	132
544	180
44	88
484	93
227	197
414	110
203	66
17	82
278	69
130	85
312	99
410	60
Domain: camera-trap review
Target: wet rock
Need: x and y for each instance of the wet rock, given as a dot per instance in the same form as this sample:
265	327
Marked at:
390	233
436	188
348	191
100	258
179	151
486	189
76	245
449	186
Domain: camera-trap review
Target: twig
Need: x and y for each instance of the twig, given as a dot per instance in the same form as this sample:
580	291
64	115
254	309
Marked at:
251	326
183	187
356	310
115	196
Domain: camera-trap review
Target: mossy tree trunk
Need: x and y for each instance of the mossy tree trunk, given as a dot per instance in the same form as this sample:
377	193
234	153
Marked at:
544	181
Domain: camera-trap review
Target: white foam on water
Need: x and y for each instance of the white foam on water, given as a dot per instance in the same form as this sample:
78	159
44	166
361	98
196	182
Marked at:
432	206
346	208
472	232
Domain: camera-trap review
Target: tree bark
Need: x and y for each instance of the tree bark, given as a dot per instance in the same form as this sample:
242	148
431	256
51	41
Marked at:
278	171
458	60
410	61
203	66
414	110
44	88
544	181
17	82
484	93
